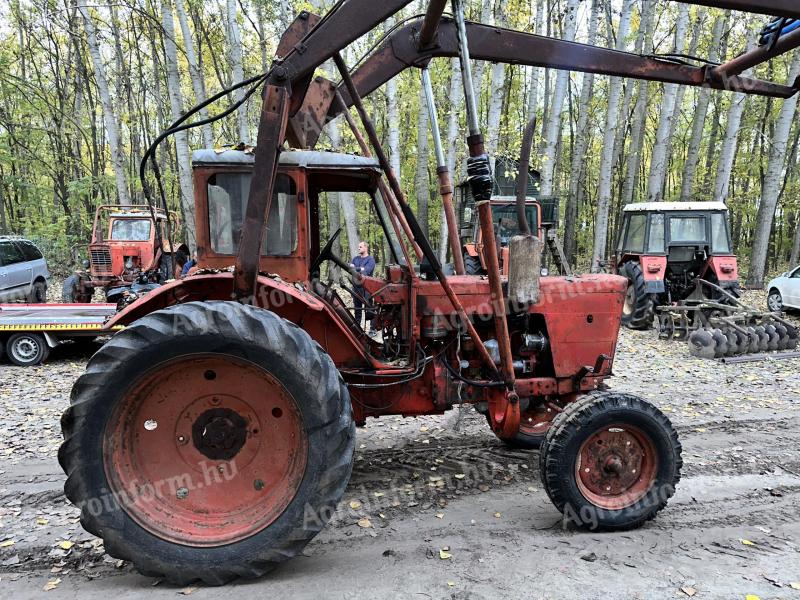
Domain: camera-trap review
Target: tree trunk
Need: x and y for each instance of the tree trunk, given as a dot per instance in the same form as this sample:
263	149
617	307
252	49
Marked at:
663	142
343	201
729	142
237	71
181	138
198	84
770	193
607	153
634	157
700	113
451	146
109	114
553	125
579	150
393	119
421	182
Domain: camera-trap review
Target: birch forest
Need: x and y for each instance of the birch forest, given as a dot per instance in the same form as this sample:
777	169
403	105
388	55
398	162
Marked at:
85	87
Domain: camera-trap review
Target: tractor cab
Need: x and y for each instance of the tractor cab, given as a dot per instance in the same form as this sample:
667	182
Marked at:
541	213
665	247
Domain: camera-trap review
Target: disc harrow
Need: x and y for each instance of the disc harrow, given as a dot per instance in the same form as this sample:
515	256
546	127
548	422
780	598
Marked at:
725	326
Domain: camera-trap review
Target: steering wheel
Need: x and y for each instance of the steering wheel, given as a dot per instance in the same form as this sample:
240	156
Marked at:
327	254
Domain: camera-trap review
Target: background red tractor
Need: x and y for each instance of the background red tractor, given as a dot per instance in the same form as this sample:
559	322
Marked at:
665	247
124	250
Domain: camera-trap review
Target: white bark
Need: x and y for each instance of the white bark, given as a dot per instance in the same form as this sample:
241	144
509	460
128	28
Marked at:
393	119
731	139
109	114
634	156
237	71
773	181
607	154
346	202
581	144
181	138
700	114
535	72
553	125
195	74
661	148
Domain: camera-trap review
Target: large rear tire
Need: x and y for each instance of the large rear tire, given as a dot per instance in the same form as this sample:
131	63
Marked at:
639	307
610	461
208	441
472	265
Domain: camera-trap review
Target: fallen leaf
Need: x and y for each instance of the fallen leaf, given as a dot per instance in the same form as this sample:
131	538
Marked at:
41	521
440	515
689	591
497	515
355	504
423	428
6	543
378	494
451	583
795	585
365	523
460	475
444	554
51	585
65	544
747	542
752	597
188	590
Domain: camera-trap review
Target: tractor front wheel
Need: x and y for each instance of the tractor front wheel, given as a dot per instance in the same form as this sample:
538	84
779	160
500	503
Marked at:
637	313
610	461
472	265
208	441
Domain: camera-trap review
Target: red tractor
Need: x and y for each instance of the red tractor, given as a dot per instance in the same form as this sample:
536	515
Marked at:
664	248
214	436
124	250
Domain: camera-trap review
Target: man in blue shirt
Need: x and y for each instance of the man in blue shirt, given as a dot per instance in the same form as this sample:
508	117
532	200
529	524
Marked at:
364	265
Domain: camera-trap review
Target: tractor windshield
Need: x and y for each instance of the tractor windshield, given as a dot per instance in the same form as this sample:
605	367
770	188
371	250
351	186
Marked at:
130	230
506	222
227	202
687	229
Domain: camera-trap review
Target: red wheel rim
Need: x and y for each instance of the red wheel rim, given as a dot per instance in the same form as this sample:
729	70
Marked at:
535	423
205	450
616	466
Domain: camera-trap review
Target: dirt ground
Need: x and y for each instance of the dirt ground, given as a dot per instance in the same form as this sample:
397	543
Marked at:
452	513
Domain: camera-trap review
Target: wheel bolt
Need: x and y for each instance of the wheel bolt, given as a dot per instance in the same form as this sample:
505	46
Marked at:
258	484
182	439
182	493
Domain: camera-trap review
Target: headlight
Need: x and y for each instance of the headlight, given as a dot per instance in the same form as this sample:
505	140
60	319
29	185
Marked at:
129	263
545	272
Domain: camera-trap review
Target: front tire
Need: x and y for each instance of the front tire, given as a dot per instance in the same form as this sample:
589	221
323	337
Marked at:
38	293
610	461
249	396
472	265
639	307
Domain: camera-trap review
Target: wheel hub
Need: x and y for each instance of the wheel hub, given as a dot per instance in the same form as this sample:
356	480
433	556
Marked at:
25	349
616	467
219	433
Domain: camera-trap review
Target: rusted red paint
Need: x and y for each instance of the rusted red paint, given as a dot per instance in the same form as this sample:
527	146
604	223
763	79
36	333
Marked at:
205	450
725	268
616	466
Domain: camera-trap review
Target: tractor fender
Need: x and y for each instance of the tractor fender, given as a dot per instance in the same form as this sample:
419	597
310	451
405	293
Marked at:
725	268
471	249
284	299
654	270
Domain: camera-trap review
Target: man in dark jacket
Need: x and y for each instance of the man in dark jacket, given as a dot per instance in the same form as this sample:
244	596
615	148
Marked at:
364	265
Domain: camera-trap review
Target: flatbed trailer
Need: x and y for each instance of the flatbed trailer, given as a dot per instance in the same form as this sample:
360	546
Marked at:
29	331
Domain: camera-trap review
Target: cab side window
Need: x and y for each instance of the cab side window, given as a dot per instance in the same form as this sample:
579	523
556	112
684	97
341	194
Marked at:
29	251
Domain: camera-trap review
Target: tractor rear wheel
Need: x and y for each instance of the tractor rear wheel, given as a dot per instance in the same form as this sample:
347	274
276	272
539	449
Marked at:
208	441
610	461
472	265
639	308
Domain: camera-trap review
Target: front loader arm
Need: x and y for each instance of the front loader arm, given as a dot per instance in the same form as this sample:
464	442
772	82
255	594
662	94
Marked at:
496	44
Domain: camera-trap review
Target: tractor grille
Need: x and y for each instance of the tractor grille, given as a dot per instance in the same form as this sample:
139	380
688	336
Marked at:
100	260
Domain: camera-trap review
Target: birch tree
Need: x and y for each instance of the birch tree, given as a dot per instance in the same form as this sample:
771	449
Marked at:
634	157
237	71
553	125
731	139
109	113
607	152
700	113
451	148
181	138
421	182
770	193
662	145
198	84
581	144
